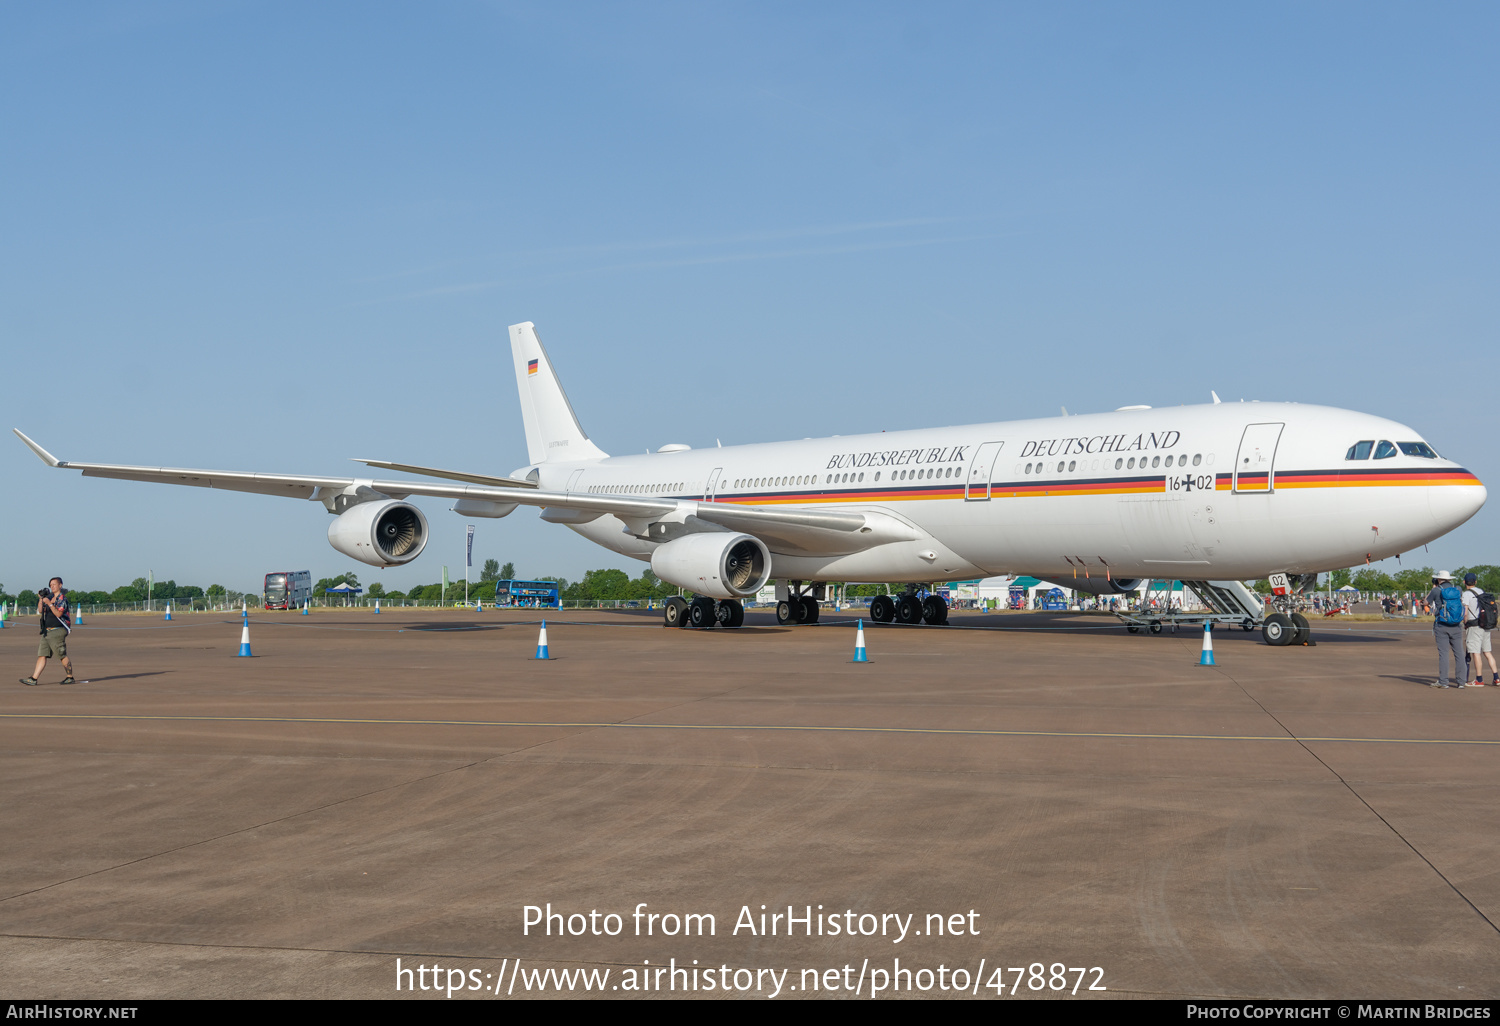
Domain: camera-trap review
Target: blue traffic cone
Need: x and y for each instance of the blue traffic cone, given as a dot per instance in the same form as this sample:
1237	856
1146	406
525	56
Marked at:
245	637
169	610
78	616
377	607
1207	658
304	607
541	643
859	644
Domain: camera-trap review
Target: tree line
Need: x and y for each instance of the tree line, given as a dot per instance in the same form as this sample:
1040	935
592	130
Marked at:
616	585
136	591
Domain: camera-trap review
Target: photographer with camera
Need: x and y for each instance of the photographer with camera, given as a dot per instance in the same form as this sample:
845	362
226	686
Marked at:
52	604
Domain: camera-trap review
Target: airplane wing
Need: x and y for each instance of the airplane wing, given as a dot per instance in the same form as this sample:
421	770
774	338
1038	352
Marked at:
782	529
451	475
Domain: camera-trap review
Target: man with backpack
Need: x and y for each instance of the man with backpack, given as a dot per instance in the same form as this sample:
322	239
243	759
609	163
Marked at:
1447	628
1479	620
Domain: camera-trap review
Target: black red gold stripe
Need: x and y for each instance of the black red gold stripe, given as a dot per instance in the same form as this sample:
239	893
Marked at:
1365	478
1135	485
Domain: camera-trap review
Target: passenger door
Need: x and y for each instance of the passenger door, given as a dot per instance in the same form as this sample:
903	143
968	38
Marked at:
1255	465
981	472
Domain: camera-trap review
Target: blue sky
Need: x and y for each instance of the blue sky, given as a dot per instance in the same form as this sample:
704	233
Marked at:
274	236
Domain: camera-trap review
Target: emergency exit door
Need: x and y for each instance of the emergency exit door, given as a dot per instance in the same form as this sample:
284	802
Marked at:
1255	464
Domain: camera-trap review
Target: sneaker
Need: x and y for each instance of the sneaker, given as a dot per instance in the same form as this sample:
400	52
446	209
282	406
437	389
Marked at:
69	679
30	682
1439	684
1478	683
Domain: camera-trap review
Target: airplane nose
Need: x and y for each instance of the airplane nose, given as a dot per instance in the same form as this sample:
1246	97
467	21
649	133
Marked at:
1451	505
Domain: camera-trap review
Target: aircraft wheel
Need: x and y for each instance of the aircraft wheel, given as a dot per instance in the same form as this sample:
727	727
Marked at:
1277	630
809	610
1303	630
908	609
701	612
882	609
934	610
785	613
1155	628
1133	629
1247	626
730	613
674	612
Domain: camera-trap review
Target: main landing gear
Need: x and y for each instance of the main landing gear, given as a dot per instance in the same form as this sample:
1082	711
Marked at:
907	608
801	606
702	611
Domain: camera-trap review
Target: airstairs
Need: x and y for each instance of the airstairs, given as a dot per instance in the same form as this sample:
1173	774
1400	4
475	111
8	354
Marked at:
1228	603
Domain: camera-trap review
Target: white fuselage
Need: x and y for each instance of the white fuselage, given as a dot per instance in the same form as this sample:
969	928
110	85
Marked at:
1230	490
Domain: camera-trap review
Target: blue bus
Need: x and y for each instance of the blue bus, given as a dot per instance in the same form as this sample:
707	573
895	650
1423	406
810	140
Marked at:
530	594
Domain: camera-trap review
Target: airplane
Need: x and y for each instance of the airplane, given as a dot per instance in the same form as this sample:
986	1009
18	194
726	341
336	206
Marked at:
1210	494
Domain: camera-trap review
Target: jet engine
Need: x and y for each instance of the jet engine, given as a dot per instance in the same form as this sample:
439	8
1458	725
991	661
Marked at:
380	533
718	564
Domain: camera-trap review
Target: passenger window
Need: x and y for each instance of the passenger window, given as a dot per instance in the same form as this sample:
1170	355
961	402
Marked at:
1385	450
1197	458
1072	464
1131	464
1156	461
1359	451
1119	463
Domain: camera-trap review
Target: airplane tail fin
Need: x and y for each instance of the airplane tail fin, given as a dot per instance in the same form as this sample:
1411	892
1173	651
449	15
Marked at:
553	434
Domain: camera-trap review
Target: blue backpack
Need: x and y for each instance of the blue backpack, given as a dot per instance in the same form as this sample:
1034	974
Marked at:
1452	612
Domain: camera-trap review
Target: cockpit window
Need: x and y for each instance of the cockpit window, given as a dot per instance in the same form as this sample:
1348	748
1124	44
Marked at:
1359	451
1385	450
1421	449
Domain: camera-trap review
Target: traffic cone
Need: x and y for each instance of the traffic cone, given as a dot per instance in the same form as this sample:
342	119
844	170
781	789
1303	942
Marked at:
1207	658
169	610
377	607
304	607
859	644
245	637
541	643
2	615
78	617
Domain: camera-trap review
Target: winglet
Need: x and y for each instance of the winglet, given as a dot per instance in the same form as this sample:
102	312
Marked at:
45	456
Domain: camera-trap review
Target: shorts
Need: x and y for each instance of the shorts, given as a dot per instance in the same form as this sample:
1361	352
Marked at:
1476	640
53	643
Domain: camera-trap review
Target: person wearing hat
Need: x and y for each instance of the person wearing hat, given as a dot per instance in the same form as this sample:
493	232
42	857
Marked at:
1448	629
1476	636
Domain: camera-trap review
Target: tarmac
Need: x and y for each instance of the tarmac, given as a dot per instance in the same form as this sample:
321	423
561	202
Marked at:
1042	795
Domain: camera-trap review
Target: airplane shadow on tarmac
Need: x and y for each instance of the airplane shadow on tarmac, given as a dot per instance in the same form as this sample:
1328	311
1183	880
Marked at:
455	625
